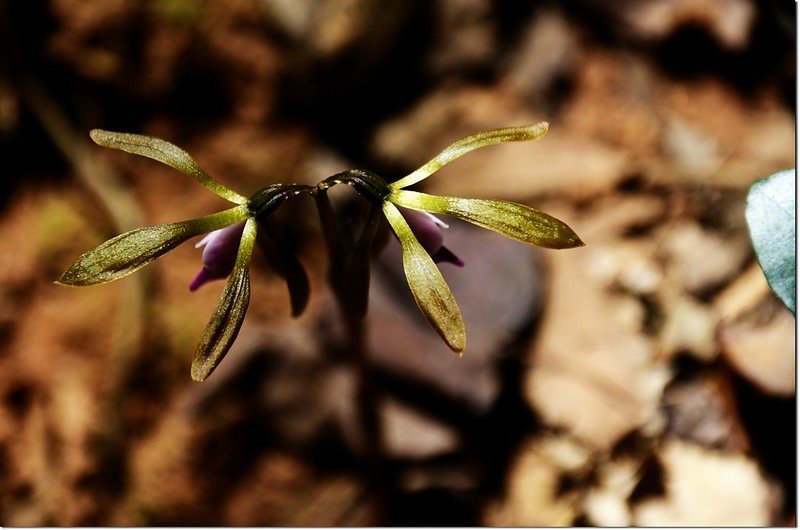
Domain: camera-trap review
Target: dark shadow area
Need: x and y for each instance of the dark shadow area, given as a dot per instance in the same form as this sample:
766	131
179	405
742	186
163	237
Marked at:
345	97
771	423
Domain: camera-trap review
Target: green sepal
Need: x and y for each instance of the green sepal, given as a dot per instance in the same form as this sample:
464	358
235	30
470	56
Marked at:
470	143
132	250
510	219
166	153
227	319
431	292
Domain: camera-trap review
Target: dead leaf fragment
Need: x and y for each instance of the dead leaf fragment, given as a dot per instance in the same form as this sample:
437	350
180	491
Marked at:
533	482
593	373
706	488
765	352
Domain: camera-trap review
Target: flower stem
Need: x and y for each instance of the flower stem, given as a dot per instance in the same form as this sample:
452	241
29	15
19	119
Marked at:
351	294
367	404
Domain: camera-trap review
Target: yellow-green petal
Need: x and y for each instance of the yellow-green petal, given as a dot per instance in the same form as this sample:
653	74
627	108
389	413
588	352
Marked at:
166	153
470	143
132	250
513	220
431	292
227	319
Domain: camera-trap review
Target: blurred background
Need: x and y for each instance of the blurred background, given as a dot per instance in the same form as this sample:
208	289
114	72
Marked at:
647	378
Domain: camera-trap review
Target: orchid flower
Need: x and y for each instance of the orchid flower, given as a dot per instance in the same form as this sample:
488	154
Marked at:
228	247
232	234
523	223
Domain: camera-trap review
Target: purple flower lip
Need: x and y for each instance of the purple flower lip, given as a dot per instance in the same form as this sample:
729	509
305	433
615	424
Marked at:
428	230
219	254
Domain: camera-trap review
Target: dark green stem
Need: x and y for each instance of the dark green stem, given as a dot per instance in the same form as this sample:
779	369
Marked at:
366	183
267	200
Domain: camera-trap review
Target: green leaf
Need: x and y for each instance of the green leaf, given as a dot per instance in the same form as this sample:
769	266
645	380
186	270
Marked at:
132	250
770	213
430	291
166	153
227	319
510	219
470	143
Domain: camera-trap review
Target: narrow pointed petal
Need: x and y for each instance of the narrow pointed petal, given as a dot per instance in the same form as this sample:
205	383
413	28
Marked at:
227	319
431	292
166	153
132	250
470	143
510	219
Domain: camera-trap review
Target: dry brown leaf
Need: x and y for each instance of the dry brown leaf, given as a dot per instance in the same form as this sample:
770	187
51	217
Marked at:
592	372
701	259
764	352
605	504
504	171
531	498
707	488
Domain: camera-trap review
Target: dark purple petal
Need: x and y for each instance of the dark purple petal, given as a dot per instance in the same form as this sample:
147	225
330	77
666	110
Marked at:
219	254
428	230
202	278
